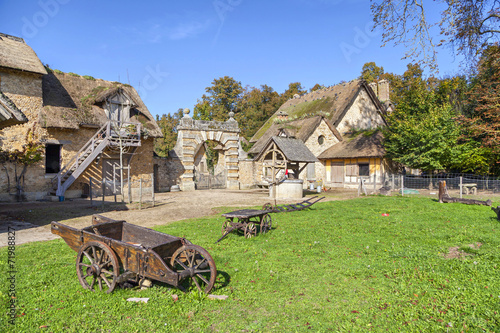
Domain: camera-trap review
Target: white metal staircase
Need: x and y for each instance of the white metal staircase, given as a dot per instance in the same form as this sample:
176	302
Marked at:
111	134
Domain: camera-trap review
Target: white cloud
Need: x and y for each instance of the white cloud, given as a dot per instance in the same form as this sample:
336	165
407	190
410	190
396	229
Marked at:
187	29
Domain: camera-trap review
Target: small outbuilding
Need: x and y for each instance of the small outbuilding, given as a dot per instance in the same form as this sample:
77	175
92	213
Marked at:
282	160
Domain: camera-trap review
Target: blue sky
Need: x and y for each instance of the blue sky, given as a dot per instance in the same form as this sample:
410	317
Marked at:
170	51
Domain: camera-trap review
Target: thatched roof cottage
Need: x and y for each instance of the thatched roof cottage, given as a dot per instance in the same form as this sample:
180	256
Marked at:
86	125
325	121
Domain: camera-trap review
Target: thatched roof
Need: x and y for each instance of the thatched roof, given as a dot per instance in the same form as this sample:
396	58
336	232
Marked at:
9	113
72	101
362	145
332	102
16	54
294	150
301	129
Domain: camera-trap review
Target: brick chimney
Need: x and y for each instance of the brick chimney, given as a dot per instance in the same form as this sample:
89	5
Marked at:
282	116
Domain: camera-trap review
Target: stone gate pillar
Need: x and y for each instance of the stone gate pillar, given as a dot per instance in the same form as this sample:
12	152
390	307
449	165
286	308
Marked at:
192	133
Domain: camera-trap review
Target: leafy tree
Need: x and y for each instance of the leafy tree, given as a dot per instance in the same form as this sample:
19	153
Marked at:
423	130
255	108
293	88
317	86
168	124
371	72
468	26
30	154
222	97
483	116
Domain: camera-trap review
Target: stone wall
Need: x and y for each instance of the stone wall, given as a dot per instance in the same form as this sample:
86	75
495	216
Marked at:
362	115
248	174
169	172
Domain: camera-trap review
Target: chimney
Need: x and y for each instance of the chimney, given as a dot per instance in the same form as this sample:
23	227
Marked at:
282	116
383	90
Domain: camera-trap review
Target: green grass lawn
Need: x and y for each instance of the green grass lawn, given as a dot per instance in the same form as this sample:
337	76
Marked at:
340	267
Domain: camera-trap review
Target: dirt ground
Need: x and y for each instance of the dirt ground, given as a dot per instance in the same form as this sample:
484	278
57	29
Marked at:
31	220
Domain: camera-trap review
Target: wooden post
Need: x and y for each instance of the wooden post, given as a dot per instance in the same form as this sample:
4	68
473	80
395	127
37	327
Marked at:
129	187
375	183
90	185
103	189
461	187
140	193
153	188
402	185
442	190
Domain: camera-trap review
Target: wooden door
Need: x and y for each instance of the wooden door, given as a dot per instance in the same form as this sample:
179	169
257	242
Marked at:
337	172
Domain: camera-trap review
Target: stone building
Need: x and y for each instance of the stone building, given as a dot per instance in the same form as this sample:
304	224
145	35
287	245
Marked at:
86	125
327	121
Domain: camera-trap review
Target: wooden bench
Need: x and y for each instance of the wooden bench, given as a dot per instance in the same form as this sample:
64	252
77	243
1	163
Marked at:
467	188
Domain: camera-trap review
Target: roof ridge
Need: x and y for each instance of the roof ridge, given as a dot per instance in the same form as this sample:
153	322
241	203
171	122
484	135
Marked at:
14	38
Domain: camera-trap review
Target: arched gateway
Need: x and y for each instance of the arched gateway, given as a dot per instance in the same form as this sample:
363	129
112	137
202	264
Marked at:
191	137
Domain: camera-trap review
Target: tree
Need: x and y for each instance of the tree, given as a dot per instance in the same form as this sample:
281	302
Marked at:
222	97
293	88
483	117
467	26
371	72
30	154
168	124
423	130
255	108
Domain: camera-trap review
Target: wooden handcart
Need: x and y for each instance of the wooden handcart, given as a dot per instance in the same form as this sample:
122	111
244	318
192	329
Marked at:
112	252
247	221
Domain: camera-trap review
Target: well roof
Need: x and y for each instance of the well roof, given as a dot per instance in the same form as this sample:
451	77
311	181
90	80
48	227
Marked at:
332	102
71	101
294	149
16	54
361	145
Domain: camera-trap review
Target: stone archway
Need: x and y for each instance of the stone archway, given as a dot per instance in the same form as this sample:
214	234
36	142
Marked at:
191	134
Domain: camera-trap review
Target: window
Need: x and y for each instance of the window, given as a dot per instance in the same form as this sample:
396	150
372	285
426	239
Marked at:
364	169
52	158
321	139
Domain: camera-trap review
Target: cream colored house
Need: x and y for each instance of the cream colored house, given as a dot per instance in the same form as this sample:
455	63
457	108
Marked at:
327	121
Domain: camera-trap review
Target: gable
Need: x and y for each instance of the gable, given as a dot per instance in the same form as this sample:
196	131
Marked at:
361	114
329	138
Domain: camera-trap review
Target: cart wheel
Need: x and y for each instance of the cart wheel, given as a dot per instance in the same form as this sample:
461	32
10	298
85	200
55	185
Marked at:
266	224
226	224
250	230
97	263
198	262
267	206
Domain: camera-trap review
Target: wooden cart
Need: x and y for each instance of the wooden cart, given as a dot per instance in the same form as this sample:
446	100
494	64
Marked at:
111	252
247	221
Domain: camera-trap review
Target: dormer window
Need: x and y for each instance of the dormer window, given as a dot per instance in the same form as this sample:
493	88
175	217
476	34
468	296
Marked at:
118	107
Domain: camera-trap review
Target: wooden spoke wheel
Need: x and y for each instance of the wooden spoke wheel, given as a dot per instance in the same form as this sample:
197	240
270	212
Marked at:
267	206
197	264
97	267
250	230
226	224
265	224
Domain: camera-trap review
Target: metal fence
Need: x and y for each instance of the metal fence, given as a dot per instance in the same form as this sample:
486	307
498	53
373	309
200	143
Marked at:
463	183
